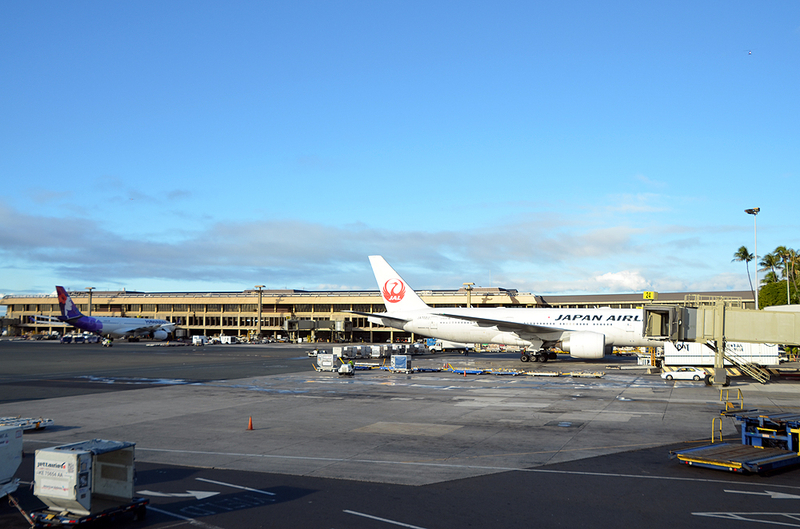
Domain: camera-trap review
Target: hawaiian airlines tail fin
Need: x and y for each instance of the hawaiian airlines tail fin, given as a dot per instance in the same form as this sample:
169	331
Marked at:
69	311
397	295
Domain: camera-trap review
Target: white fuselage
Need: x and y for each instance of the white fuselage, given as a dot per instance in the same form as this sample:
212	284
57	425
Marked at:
117	327
114	326
621	327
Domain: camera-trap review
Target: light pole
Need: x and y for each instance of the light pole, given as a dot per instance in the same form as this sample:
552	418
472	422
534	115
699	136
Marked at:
90	299
258	325
786	258
754	213
469	293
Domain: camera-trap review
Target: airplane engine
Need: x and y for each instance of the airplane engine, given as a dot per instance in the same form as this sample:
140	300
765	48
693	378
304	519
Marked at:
160	335
586	345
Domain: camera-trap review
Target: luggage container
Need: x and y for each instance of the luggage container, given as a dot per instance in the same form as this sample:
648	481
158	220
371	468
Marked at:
401	363
327	361
10	458
82	481
398	349
417	349
347	351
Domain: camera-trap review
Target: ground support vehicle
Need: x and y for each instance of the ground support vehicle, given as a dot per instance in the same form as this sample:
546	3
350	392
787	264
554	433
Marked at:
27	423
769	441
737	458
437	345
137	508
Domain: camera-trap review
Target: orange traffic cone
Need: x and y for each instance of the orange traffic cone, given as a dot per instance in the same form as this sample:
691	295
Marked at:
250	423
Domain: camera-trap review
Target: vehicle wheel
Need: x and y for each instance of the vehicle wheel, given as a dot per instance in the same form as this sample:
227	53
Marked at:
669	377
140	514
697	378
543	358
524	358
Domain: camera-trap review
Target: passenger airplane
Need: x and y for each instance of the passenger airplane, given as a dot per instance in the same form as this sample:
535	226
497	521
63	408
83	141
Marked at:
110	326
583	333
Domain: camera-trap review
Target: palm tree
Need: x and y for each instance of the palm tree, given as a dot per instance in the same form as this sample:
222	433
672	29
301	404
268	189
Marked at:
791	262
743	255
769	277
770	262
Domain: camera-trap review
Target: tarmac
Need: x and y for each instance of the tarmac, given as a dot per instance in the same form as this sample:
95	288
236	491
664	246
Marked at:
395	428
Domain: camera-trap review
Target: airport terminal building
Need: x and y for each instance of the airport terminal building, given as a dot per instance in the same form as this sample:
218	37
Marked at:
300	315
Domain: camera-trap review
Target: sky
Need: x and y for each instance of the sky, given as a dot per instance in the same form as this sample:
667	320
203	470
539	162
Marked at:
552	147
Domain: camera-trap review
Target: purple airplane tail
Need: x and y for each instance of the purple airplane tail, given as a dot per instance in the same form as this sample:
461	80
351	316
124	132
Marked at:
69	311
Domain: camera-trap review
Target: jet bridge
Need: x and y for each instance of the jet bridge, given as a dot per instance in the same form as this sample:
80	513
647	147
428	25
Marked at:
719	323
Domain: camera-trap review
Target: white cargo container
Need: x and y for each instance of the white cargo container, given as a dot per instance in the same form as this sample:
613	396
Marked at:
327	361
347	351
10	458
700	354
199	340
86	477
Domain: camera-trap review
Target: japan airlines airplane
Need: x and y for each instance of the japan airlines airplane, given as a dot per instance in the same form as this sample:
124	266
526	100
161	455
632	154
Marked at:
111	326
583	333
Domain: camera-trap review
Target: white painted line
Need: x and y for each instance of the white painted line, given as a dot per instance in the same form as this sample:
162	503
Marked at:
468	467
773	495
197	494
192	521
441	465
235	486
401	524
785	519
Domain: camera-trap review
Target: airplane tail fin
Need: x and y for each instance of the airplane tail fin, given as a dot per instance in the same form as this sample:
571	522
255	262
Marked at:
397	294
69	311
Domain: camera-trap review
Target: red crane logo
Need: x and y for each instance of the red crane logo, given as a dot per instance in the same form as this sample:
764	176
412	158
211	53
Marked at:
393	290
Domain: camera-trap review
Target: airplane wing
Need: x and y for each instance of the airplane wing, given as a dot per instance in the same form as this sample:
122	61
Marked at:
380	315
137	330
39	318
542	331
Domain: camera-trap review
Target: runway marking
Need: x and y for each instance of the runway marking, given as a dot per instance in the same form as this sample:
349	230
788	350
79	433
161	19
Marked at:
401	524
192	521
771	494
771	518
472	467
235	486
197	494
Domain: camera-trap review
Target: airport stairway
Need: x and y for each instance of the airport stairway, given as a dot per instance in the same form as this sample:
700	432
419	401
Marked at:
750	369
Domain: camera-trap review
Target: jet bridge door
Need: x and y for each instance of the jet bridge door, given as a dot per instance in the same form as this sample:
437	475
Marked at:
663	322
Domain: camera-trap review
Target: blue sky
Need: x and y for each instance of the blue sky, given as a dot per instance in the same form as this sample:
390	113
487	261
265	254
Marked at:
576	147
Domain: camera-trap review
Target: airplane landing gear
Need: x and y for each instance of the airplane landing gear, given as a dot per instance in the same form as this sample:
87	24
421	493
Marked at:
538	356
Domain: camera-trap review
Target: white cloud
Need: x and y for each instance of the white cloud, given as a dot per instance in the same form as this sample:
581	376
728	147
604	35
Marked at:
554	254
625	280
